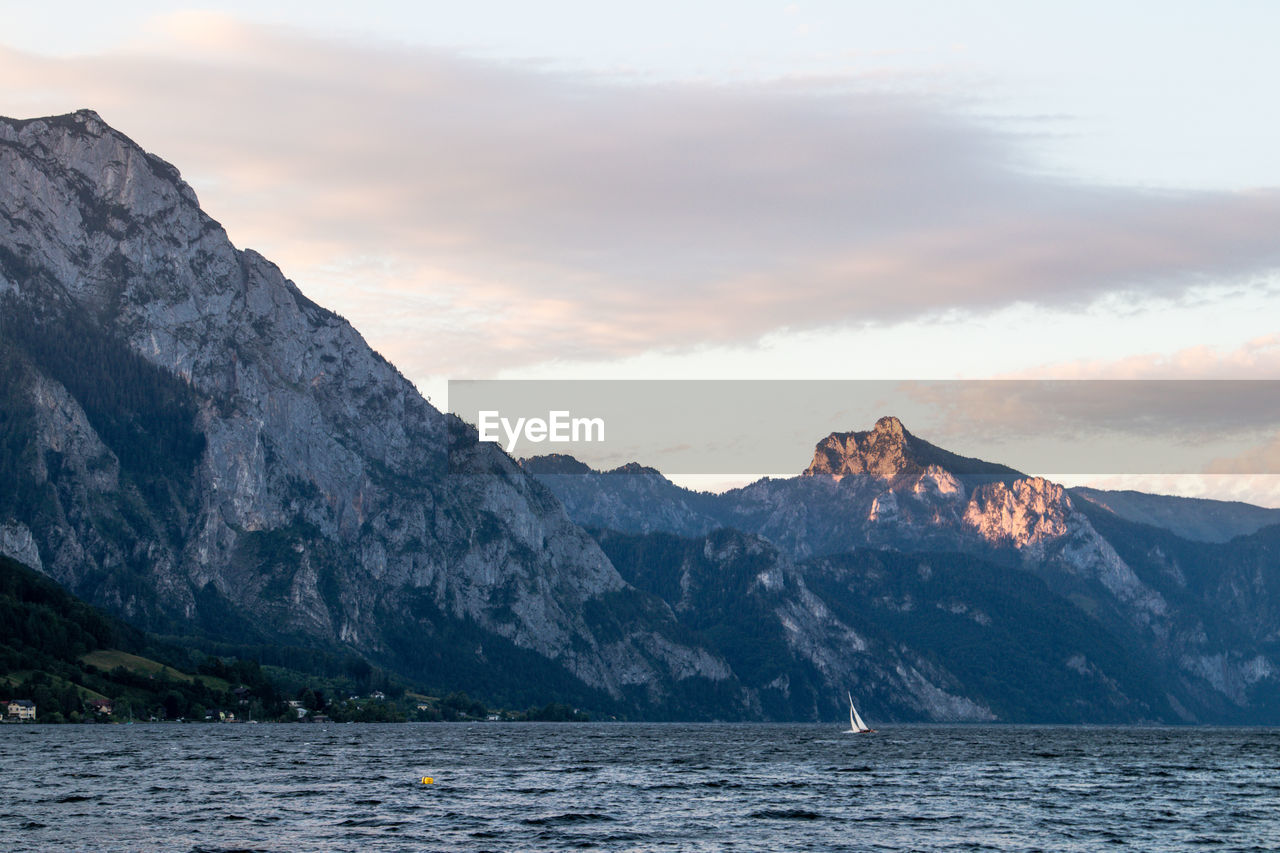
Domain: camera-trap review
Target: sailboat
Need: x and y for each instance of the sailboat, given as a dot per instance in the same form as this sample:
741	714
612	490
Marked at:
856	726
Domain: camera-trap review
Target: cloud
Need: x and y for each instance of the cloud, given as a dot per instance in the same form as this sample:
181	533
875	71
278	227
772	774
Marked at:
1120	425
1197	409
1258	358
483	215
1262	459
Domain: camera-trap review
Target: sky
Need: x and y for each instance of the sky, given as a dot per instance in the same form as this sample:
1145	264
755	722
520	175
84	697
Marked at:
838	190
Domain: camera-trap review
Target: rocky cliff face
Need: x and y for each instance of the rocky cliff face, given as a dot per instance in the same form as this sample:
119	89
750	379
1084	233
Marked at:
629	499
307	491
798	651
883	453
889	453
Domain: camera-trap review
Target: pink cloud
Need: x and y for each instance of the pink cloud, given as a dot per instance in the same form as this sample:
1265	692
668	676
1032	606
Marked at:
517	216
1258	358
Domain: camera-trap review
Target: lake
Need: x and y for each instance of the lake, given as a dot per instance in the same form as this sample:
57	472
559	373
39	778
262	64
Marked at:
636	787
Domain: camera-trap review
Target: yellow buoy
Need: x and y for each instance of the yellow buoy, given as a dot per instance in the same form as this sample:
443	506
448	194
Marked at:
427	780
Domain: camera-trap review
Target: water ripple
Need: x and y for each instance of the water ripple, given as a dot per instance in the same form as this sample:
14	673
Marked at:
636	787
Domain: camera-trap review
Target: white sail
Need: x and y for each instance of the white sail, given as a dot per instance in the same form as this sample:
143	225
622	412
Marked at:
855	719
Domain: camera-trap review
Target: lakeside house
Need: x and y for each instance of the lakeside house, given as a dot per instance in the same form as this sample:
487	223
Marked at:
19	709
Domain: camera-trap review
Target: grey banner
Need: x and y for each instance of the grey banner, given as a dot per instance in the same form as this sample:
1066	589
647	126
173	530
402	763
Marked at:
770	427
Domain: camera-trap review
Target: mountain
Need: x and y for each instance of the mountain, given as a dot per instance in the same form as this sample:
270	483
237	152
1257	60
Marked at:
191	443
1198	519
938	636
739	596
1198	620
890	454
64	655
629	499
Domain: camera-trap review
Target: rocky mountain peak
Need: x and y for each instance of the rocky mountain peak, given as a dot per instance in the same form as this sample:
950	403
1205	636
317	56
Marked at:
890	453
883	452
554	463
109	171
889	428
1023	513
89	121
636	468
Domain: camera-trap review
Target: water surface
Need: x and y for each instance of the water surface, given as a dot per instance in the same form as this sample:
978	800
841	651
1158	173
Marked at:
636	787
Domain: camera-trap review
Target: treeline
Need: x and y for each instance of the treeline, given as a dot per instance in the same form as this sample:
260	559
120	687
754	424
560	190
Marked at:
145	414
295	668
74	695
40	621
460	706
45	634
18	489
73	661
411	707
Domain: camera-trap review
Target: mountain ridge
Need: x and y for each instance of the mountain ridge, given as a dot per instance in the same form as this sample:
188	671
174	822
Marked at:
320	505
889	452
1196	519
873	490
193	444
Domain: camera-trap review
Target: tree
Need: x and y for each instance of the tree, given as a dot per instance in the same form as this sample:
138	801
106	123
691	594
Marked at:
174	705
